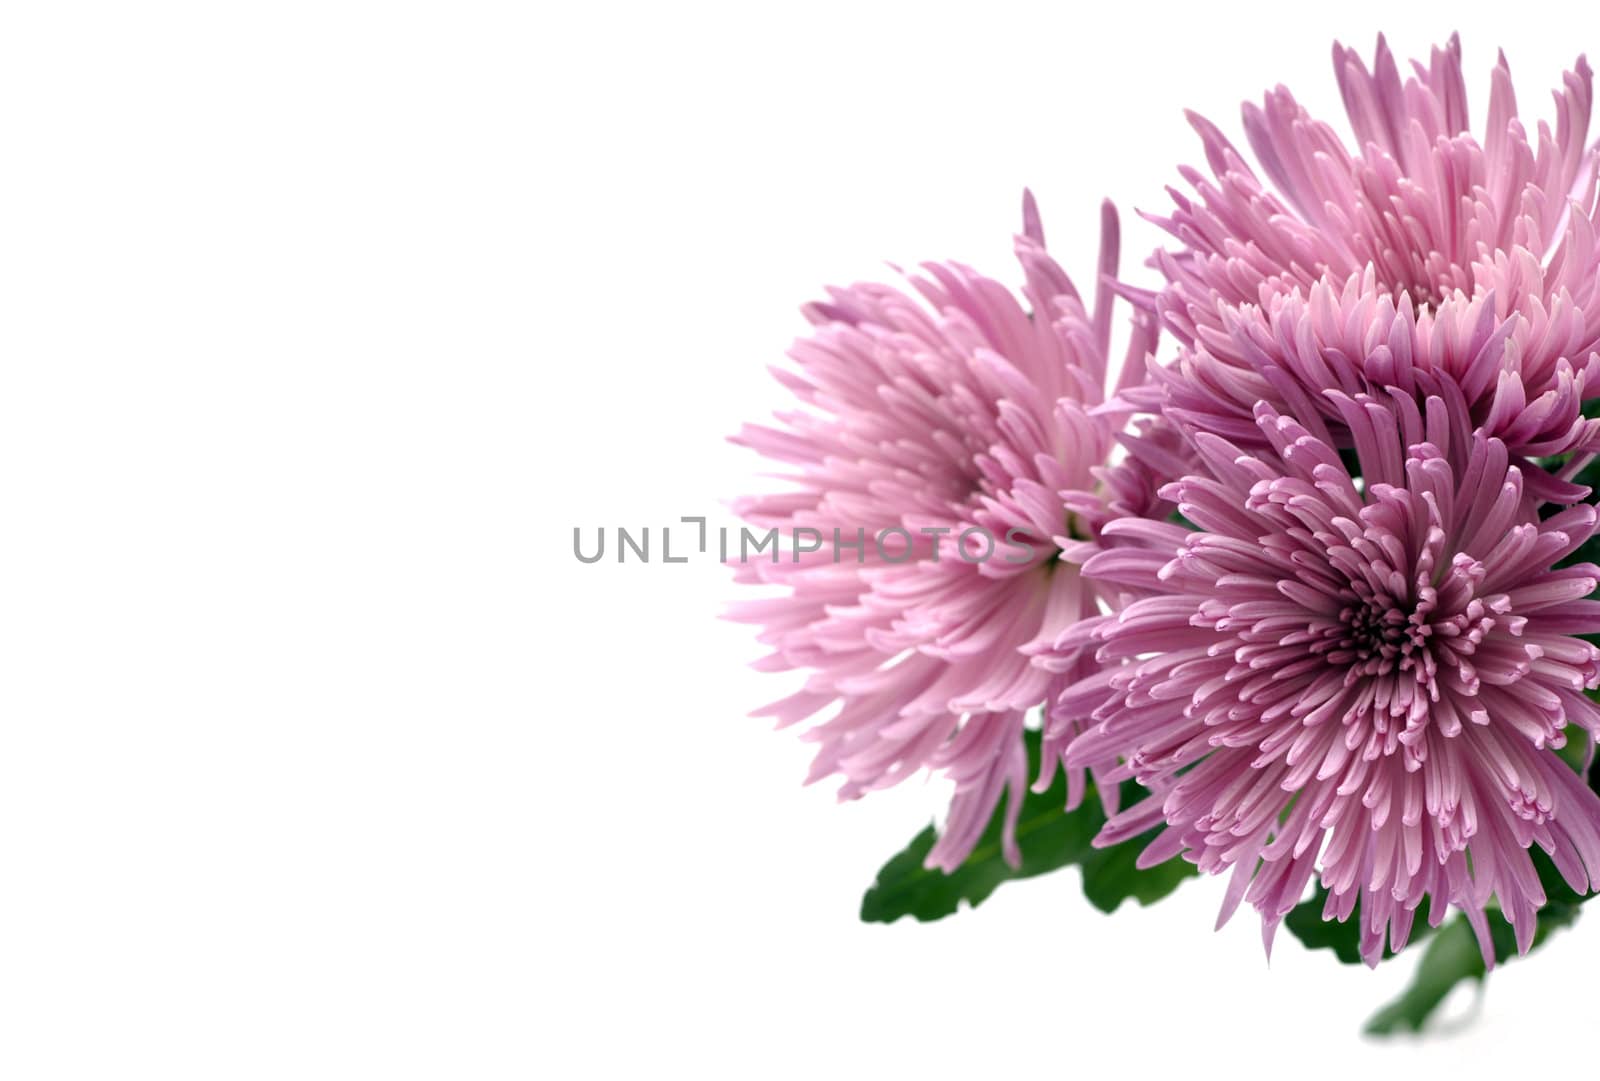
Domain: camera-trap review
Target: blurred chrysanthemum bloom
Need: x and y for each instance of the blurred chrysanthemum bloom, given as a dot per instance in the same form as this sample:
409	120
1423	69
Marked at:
1364	680
1421	249
946	439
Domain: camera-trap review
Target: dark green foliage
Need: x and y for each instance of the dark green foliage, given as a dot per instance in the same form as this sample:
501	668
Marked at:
1452	956
1305	922
1049	838
1110	877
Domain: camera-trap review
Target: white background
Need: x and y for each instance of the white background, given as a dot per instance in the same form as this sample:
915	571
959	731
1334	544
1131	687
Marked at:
321	328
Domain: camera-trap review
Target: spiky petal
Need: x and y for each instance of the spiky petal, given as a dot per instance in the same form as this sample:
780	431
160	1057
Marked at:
1365	682
948	416
1447	254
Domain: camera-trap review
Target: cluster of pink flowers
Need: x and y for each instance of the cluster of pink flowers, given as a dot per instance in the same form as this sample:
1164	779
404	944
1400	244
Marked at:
1302	562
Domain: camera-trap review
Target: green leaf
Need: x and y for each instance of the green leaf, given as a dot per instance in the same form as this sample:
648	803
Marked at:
1343	937
1576	747
1454	957
905	887
1050	839
1450	958
1305	922
1110	876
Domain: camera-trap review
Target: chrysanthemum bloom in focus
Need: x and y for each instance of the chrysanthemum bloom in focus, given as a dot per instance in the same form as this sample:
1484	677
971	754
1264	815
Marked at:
1421	248
1363	680
952	423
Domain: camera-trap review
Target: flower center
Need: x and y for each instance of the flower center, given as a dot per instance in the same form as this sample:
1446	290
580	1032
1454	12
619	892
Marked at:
1380	637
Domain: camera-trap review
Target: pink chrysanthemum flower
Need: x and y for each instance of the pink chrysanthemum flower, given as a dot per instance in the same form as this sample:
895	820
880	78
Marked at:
953	422
1362	678
1421	248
